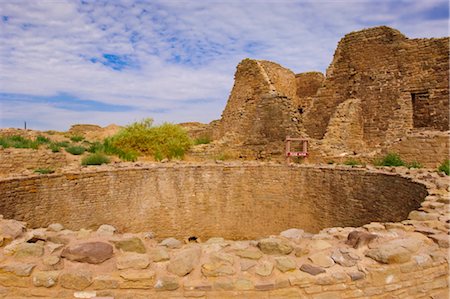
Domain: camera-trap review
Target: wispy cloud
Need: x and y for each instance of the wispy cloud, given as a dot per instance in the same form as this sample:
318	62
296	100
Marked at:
65	62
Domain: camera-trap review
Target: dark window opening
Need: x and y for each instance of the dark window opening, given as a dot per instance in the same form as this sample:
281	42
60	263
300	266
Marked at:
300	110
422	112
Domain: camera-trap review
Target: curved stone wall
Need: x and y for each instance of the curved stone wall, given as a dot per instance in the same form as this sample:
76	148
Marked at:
233	201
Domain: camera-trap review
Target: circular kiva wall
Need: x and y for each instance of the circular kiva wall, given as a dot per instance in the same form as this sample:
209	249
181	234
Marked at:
231	201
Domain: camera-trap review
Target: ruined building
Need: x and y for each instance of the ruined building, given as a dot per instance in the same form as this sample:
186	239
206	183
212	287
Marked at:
380	89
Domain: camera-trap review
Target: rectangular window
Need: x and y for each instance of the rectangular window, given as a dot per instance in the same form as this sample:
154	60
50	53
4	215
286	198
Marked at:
422	116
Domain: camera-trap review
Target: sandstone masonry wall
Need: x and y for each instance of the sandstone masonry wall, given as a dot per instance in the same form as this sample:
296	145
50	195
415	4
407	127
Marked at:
402	84
231	201
15	161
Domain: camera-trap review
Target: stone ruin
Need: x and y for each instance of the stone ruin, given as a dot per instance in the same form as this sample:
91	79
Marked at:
255	229
380	90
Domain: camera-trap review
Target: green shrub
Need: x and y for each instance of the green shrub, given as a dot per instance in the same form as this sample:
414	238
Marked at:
42	139
54	147
164	141
19	142
4	142
445	167
391	159
352	162
202	140
76	138
414	164
107	148
75	150
63	143
44	170
95	159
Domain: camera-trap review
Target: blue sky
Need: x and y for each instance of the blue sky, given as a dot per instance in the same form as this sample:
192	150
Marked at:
103	62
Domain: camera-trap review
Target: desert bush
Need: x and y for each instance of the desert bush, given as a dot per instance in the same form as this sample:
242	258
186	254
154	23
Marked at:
76	138
164	141
18	142
414	164
95	159
63	143
75	150
54	147
107	148
352	162
202	140
44	170
391	159
41	139
445	167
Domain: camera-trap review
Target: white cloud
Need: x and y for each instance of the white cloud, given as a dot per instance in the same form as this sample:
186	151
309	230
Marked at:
180	51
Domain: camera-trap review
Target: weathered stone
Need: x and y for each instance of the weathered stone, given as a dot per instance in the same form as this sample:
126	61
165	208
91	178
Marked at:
275	246
11	228
89	252
106	230
247	264
52	247
322	259
197	285
215	240
264	269
389	255
310	269
250	253
58	240
84	233
285	264
293	233
317	245
133	244
51	260
221	257
358	239
171	243
264	285
243	284
223	283
137	279
441	239
55	227
78	280
24	250
105	282
356	275
343	259
45	278
132	260
167	283
17	268
216	269
158	254
184	262
422	216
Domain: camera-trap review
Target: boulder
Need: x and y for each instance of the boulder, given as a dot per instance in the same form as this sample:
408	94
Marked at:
275	246
106	230
343	258
247	264
284	263
321	259
17	268
24	250
55	227
132	260
184	262
310	269
293	233
216	269
358	239
264	269
45	278
171	243
167	283
89	252
133	244
395	251
249	253
11	228
158	254
77	280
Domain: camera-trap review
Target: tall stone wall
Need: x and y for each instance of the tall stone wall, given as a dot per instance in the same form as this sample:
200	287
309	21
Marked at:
402	84
262	108
16	161
232	201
